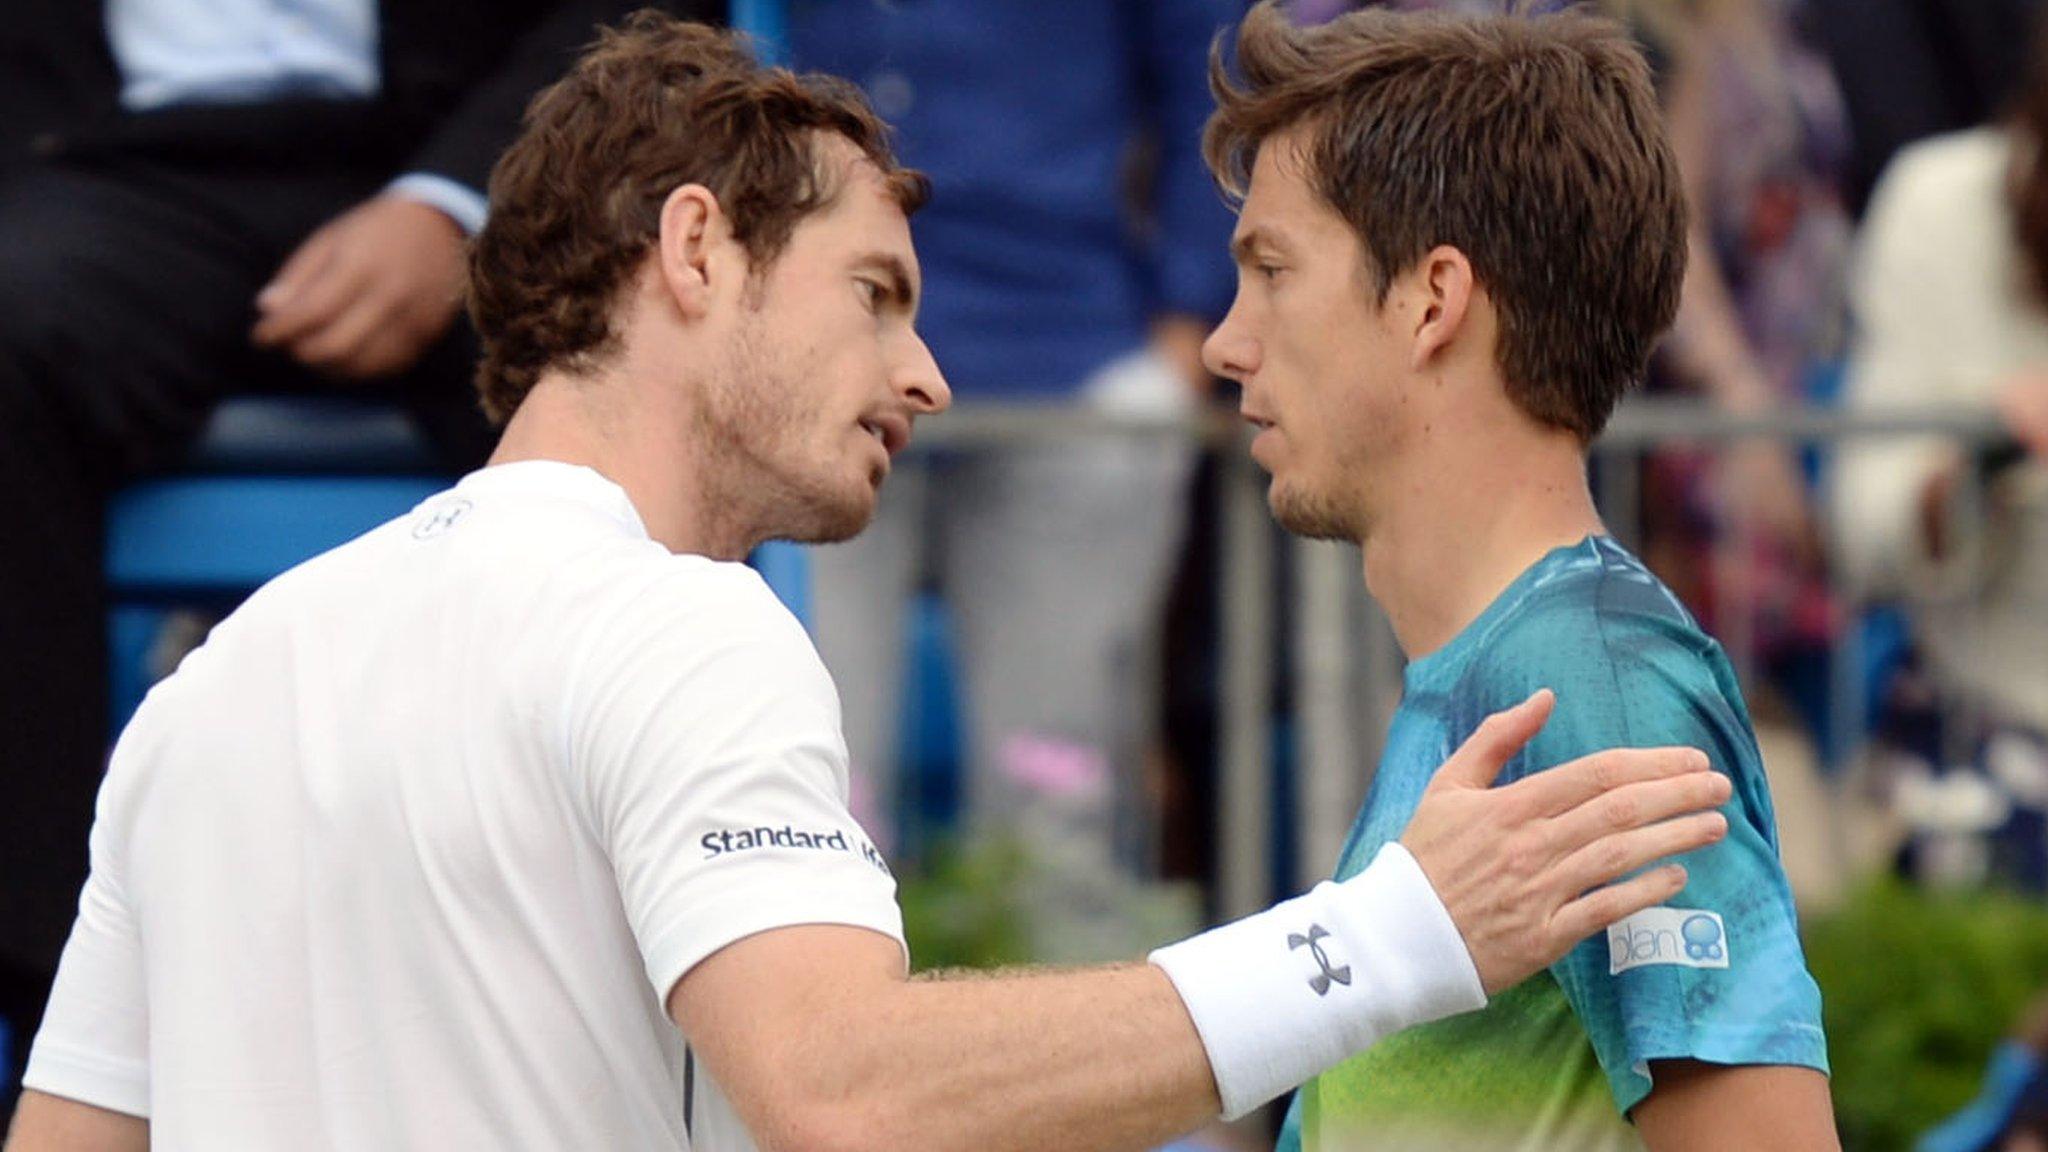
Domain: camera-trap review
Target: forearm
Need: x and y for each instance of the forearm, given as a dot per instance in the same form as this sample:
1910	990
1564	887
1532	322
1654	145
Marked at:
1102	1058
1106	1058
1707	339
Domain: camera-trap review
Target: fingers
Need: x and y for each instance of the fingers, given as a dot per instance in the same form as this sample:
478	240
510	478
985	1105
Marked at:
1601	907
310	303
1571	784
1477	762
301	268
357	342
1613	857
1635	805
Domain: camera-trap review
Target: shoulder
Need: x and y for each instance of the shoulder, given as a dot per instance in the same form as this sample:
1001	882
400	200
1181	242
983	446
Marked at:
669	634
1628	663
644	599
1598	613
1942	185
1952	161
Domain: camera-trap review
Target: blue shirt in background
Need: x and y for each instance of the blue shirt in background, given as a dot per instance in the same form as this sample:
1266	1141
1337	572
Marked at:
1023	113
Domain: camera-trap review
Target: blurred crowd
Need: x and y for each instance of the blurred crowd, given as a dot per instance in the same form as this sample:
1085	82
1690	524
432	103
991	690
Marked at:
201	200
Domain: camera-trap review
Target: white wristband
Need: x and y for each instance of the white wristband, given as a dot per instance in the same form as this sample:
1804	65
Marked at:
1285	994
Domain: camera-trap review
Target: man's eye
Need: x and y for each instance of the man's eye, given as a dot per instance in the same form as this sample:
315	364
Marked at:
1268	271
871	294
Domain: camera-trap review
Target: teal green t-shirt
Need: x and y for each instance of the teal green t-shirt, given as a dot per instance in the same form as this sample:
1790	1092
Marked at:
1715	975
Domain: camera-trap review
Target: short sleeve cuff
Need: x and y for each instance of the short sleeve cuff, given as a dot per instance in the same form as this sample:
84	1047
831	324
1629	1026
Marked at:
1797	1045
751	910
116	1085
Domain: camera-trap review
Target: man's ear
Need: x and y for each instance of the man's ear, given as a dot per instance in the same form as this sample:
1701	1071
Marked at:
1443	280
690	248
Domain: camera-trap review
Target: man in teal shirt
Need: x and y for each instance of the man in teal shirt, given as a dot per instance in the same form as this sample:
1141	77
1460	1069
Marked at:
1459	239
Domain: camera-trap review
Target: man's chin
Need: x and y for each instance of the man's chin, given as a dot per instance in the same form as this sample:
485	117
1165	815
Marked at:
830	519
1309	514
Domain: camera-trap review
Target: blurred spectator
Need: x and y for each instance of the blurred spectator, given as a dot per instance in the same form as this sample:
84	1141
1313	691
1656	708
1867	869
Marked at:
1760	132
1951	296
197	198
2010	1114
1913	68
1074	255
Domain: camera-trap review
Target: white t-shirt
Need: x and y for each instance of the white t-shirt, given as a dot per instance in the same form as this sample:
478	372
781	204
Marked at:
410	853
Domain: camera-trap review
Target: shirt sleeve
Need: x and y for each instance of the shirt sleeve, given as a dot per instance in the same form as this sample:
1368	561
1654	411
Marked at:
1717	974
704	739
94	1042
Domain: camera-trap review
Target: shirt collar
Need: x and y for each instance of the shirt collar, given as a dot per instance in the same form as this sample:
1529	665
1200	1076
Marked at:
560	480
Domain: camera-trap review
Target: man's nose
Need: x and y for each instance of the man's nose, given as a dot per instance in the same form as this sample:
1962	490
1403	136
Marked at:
921	383
1230	351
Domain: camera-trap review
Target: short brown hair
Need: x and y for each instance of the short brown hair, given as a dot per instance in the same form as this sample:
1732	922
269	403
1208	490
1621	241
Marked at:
1533	145
576	201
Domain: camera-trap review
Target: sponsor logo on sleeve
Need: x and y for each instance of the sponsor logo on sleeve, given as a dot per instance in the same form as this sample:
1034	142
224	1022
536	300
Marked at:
725	841
1684	937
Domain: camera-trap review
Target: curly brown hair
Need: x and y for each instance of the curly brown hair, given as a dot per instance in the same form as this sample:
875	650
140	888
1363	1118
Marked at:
654	104
1532	144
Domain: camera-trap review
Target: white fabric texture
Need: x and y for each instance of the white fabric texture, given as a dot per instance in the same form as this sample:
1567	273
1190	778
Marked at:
1944	320
410	853
1289	992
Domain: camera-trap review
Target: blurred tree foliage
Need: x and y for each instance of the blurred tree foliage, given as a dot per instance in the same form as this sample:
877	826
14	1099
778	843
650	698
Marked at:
963	910
1917	988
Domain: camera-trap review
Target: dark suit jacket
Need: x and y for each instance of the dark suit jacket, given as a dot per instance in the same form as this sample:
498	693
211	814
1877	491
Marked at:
456	76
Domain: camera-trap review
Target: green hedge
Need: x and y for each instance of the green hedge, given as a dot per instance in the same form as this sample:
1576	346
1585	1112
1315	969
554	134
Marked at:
1917	988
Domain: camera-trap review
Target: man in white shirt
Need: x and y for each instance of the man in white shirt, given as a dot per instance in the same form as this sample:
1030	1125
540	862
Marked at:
520	822
198	198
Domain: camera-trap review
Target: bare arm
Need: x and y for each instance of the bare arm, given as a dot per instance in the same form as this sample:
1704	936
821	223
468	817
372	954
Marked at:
1698	1107
821	1043
46	1123
853	1056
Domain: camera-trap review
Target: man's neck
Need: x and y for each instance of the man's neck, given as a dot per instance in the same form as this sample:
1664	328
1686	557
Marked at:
1456	537
578	421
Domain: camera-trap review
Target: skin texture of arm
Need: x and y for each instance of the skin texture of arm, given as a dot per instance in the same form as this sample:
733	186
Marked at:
821	1043
45	1123
850	1055
1698	1107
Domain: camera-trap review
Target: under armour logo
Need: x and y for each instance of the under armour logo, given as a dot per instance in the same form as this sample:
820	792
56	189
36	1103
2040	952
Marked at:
439	519
1321	981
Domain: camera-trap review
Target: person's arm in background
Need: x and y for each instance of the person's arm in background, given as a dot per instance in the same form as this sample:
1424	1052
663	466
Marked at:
2018	1065
368	292
1193	276
1707	343
1917	310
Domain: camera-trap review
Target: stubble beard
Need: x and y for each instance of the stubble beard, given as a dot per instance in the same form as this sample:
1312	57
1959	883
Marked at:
1314	515
768	483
